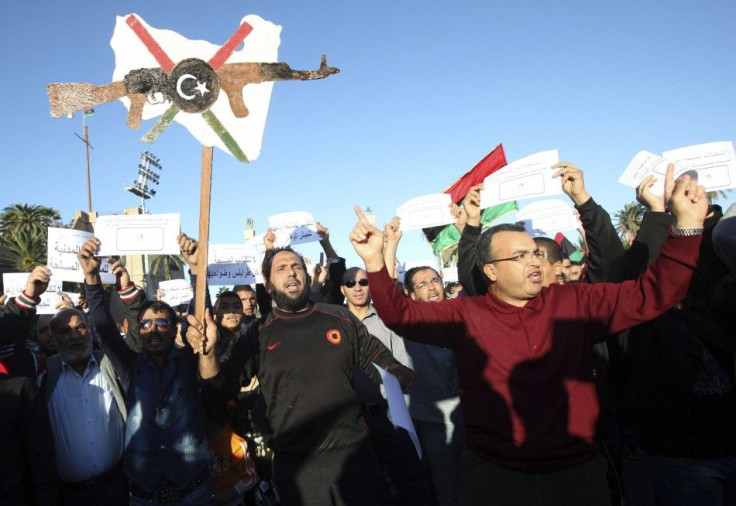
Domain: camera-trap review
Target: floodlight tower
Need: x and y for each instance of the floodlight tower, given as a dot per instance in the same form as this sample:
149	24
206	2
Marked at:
140	187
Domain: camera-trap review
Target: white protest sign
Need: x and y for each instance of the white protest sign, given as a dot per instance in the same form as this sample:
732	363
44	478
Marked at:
643	165
227	264
141	234
175	292
397	406
15	282
63	246
712	164
449	275
426	211
527	178
293	228
547	217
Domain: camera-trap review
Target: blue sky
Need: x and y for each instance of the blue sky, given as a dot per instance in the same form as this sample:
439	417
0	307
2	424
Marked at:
426	89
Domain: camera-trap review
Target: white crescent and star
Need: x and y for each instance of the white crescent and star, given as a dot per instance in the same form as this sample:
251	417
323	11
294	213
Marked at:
201	86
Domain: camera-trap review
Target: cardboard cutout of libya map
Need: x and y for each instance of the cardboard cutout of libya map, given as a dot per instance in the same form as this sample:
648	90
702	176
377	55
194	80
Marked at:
220	95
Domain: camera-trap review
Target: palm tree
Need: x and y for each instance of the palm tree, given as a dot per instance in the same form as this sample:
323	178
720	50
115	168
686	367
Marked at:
714	196
161	266
29	218
21	251
628	221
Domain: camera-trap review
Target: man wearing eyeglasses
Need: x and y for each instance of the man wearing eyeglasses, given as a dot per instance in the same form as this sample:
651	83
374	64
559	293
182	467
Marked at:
87	411
524	355
166	454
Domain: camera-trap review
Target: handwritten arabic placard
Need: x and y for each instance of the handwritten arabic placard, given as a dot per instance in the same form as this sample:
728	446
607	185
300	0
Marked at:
426	211
527	178
142	234
176	291
547	217
63	246
15	282
293	228
229	264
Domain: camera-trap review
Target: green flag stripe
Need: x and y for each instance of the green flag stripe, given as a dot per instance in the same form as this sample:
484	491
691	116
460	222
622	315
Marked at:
162	124
224	135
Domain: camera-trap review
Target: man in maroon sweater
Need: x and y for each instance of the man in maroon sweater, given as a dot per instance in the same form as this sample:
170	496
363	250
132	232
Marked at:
524	355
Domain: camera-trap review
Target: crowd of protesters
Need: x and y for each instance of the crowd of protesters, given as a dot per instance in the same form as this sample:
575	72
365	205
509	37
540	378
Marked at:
532	381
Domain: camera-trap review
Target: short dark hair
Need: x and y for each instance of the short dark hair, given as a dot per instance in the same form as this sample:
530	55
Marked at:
224	295
268	261
409	276
483	244
243	288
554	251
158	306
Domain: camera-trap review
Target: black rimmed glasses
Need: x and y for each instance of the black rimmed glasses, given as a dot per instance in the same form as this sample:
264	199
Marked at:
523	256
352	282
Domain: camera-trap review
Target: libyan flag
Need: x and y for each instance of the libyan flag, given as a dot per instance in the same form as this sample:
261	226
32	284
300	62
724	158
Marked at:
442	237
449	235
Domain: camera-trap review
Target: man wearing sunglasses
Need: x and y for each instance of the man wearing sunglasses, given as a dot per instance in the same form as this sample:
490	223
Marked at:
392	444
166	454
524	354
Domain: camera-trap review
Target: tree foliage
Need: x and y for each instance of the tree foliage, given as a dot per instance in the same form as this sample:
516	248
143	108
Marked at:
628	221
162	266
21	251
31	218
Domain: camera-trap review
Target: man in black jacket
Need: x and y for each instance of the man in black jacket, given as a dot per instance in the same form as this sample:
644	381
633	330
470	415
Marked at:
303	354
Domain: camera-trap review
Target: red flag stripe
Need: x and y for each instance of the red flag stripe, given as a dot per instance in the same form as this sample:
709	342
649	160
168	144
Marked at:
487	166
161	57
228	47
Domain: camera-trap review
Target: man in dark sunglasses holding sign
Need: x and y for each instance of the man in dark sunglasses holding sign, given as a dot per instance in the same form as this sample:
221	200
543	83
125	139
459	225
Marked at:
166	455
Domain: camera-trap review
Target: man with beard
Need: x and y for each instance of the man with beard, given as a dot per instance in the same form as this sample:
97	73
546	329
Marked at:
87	412
166	454
303	354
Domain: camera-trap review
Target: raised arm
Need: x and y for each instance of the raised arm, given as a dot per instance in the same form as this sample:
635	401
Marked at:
132	299
605	250
667	280
472	279
438	323
654	228
392	237
111	341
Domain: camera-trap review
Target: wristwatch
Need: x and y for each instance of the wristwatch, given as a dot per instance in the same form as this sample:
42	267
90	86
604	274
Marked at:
687	232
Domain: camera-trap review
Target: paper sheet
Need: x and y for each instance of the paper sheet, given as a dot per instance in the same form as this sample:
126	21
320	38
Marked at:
527	178
397	406
141	234
175	292
15	282
63	246
426	211
547	217
293	228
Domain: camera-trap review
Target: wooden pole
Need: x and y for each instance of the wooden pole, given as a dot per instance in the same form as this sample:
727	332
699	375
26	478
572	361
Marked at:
204	232
86	149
